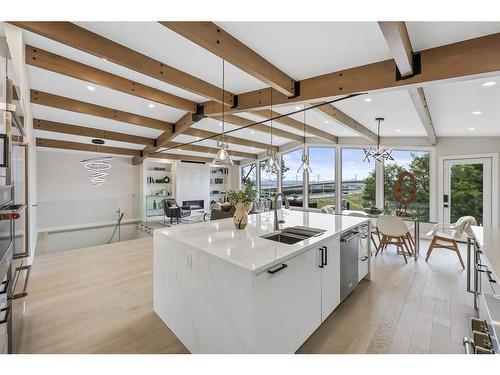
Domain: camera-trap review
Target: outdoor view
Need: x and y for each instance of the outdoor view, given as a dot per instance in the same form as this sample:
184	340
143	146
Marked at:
268	181
466	192
292	180
415	162
358	189
358	180
249	176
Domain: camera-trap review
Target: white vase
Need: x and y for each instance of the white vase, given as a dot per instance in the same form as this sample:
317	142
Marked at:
240	217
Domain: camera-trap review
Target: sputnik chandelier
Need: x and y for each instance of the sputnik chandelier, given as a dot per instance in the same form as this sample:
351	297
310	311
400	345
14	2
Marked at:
97	168
379	153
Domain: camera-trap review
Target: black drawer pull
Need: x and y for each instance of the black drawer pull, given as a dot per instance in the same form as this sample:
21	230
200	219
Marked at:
5	310
280	268
322	251
326	255
363	258
5	285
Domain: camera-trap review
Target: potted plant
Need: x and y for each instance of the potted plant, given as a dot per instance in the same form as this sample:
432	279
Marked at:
242	201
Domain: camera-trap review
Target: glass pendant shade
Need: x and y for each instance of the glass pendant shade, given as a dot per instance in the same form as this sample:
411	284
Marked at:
271	165
305	163
222	157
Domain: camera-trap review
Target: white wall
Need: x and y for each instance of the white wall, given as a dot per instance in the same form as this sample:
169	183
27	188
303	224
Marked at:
192	182
67	198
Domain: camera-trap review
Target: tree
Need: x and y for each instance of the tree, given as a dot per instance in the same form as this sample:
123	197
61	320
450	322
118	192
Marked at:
419	167
467	192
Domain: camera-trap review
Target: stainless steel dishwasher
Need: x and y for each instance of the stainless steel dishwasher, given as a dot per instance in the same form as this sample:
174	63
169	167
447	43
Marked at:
348	263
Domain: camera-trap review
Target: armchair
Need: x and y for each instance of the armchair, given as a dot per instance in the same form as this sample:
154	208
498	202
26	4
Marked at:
446	235
174	211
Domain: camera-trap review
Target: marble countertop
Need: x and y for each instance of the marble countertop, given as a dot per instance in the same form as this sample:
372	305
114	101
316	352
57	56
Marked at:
489	242
246	248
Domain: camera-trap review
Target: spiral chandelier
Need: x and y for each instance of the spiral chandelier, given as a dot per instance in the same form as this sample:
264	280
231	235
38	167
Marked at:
97	168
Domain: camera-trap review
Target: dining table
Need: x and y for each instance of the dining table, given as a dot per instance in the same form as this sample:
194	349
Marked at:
411	222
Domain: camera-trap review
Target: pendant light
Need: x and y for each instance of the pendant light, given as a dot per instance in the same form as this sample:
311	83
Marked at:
271	165
305	158
379	153
222	157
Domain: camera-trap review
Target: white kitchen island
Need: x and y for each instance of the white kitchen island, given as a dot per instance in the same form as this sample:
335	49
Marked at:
224	290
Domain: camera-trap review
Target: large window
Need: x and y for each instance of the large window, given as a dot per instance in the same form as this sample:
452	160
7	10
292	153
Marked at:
268	181
322	178
417	163
358	180
291	180
249	176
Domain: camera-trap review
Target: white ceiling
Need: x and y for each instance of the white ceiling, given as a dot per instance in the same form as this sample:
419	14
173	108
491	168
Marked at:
160	43
451	107
302	50
307	49
395	106
425	35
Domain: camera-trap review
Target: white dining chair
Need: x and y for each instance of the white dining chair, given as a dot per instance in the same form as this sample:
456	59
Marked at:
445	236
394	232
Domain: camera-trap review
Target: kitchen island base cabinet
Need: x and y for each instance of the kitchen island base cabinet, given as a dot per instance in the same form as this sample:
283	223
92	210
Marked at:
222	290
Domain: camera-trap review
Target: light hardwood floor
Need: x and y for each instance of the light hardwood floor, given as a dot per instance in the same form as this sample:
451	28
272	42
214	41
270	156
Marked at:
99	300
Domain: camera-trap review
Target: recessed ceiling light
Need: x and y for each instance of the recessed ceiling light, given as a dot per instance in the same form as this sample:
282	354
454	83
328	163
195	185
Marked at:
471	129
489	84
325	122
220	123
367	99
252	132
298	107
398	130
275	138
253	148
151	105
90	88
105	59
345	131
477	112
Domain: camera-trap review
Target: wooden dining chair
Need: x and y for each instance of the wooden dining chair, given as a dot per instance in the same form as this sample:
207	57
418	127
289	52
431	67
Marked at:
394	232
446	235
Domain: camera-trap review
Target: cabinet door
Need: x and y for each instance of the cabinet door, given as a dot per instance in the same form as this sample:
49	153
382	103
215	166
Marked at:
307	285
330	278
275	303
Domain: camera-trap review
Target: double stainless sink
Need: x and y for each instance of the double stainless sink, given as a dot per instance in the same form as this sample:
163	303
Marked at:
293	235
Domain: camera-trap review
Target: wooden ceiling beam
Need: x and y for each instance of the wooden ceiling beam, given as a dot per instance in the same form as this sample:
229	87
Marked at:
178	128
201	133
61	102
347	121
66	145
214	39
58	127
241	121
396	36
208	150
419	100
58	64
297	125
169	156
449	62
89	42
